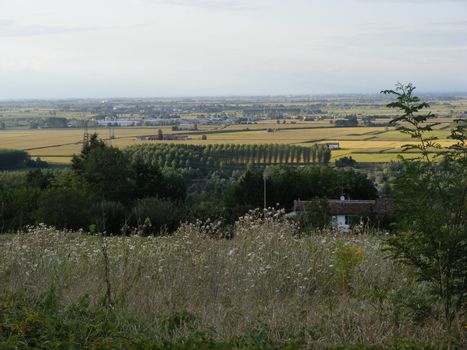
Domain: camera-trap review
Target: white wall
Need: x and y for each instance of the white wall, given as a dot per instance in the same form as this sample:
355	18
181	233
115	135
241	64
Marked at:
341	225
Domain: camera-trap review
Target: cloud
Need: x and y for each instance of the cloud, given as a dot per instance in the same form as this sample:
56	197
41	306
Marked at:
206	4
419	1
10	28
451	23
434	36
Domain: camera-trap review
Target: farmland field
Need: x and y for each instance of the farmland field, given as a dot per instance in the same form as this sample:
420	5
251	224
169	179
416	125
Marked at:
279	120
365	144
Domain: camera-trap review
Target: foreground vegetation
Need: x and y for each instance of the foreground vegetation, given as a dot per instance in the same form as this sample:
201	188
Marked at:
265	288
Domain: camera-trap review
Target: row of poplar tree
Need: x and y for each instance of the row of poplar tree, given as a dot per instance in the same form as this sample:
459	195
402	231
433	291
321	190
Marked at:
199	156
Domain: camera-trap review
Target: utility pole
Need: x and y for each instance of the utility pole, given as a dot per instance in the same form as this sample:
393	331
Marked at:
265	177
85	128
111	134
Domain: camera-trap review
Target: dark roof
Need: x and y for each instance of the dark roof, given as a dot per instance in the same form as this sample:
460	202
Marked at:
384	206
353	207
339	207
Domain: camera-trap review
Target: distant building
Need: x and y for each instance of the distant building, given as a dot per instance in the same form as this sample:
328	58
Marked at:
118	122
346	212
171	137
164	137
332	145
163	121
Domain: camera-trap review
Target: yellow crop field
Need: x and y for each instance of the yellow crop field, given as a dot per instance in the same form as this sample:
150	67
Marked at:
365	144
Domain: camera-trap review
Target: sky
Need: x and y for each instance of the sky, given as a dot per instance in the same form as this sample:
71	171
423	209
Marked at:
168	48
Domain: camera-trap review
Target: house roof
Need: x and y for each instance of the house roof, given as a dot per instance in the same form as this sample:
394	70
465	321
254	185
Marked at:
347	207
384	206
353	207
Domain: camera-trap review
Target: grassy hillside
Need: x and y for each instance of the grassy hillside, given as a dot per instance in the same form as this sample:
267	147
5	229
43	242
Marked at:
265	288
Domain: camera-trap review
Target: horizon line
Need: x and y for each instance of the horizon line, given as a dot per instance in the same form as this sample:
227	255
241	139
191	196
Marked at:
233	96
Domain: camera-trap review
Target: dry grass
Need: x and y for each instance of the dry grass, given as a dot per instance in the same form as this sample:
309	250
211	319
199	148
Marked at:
325	289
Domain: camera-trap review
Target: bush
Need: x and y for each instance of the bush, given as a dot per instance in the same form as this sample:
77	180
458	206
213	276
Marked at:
345	162
109	216
164	214
62	208
348	257
17	207
13	159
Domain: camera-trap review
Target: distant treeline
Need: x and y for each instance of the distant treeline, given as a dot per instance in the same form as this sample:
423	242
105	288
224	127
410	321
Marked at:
222	155
11	159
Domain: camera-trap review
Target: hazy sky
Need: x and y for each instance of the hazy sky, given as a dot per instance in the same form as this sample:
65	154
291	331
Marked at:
145	48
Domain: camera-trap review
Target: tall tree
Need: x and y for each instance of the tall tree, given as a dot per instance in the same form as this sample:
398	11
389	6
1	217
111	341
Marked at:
320	154
326	156
431	198
104	169
314	153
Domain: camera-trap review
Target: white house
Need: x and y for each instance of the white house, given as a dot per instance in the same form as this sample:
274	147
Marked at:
346	212
332	145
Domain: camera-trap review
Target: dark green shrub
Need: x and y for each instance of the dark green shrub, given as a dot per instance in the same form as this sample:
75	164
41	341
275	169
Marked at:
62	208
13	159
164	214
109	216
